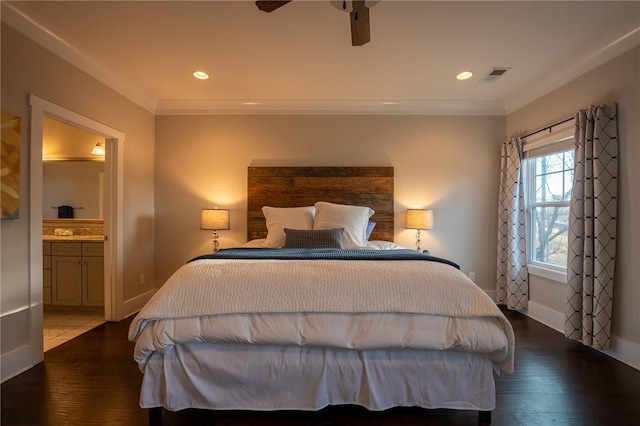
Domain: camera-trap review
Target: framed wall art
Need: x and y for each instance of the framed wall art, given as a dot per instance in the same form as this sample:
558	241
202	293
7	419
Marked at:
10	167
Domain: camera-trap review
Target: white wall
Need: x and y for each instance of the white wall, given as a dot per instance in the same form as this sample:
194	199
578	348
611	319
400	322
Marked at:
617	81
29	68
449	164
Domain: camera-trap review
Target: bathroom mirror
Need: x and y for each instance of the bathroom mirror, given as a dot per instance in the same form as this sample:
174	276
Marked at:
72	172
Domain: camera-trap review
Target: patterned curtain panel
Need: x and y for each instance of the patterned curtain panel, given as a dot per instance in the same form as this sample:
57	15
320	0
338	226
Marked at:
592	227
513	280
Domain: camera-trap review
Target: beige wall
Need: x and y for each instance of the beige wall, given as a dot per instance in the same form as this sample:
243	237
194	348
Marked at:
449	164
29	68
617	81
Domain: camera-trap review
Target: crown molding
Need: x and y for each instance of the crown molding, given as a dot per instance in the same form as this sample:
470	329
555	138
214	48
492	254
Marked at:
576	69
329	107
16	16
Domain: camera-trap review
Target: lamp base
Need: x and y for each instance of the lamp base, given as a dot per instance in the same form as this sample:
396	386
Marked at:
214	242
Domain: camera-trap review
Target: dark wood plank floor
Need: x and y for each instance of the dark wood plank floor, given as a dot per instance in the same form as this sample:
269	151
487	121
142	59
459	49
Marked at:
92	380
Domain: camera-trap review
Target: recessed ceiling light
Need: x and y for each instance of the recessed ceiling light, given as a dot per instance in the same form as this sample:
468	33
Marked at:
464	75
201	75
250	103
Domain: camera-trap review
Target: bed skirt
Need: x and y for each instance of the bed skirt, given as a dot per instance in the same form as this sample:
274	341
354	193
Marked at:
269	378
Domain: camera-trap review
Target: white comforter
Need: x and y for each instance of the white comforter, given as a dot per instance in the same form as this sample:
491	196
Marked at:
338	303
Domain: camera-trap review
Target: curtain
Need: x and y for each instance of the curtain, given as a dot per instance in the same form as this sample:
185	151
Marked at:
592	227
513	281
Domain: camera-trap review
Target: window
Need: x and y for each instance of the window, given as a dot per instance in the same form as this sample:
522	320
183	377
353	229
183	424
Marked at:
548	170
549	183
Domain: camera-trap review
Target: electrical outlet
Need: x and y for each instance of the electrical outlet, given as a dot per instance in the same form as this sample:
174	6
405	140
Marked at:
141	281
472	276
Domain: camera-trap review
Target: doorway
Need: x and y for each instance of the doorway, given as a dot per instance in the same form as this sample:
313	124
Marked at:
113	232
73	283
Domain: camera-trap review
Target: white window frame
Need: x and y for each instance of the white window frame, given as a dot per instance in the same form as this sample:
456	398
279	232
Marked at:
559	139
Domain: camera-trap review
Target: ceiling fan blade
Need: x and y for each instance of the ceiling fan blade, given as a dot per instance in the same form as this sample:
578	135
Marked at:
270	6
359	24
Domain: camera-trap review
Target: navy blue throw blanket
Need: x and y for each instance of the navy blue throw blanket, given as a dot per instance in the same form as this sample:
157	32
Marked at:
318	254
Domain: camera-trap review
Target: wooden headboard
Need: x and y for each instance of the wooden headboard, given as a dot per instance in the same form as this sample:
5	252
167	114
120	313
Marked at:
304	186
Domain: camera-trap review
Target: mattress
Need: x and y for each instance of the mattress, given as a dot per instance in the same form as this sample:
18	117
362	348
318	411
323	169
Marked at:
302	333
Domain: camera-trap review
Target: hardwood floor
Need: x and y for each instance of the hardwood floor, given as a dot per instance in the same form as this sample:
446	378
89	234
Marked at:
93	380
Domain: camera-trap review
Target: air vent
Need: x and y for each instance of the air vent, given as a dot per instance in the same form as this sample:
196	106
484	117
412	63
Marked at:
494	74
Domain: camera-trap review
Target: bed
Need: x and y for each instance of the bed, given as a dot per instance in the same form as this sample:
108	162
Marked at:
320	308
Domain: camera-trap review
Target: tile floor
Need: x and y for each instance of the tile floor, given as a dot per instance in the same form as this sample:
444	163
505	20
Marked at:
62	326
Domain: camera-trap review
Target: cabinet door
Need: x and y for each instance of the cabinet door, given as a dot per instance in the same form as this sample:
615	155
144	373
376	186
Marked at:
66	249
46	295
93	281
46	284
46	273
93	249
66	280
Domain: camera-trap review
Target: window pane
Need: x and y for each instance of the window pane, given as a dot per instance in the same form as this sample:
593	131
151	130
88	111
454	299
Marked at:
550	187
553	177
553	162
568	174
549	231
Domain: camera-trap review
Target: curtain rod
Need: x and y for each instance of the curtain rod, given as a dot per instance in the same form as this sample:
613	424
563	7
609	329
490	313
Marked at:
547	127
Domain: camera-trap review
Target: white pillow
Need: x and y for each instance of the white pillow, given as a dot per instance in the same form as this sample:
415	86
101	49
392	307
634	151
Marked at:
353	219
279	218
383	245
257	243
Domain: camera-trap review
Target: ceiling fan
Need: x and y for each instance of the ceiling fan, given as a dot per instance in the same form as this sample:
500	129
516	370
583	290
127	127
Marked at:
358	12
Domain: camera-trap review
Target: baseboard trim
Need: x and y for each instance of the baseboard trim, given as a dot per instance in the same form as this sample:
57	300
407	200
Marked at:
546	316
621	349
15	362
624	351
134	304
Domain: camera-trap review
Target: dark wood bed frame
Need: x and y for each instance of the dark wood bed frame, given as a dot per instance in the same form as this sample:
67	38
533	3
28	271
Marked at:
304	186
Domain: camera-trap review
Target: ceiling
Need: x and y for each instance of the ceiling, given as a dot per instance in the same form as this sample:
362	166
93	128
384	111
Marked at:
299	58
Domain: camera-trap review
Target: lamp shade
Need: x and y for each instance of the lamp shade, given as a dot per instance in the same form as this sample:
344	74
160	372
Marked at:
419	219
98	149
214	219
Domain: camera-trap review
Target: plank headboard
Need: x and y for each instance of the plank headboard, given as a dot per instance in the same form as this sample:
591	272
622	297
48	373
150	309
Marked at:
304	186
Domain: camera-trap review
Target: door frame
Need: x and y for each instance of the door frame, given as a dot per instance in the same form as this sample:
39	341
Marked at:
113	207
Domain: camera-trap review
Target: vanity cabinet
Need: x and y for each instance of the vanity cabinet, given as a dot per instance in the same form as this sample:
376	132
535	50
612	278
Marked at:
46	272
77	273
93	274
66	274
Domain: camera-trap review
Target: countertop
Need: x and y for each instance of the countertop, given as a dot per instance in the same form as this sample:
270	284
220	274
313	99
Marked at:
73	238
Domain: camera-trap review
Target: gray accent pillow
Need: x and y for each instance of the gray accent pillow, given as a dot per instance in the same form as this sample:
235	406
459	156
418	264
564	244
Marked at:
316	238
